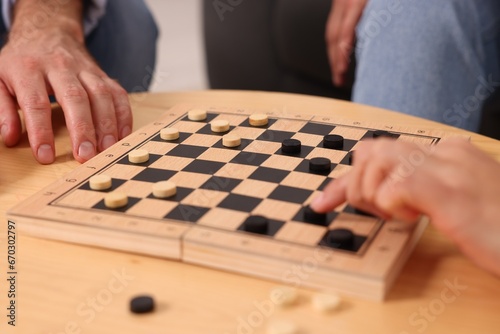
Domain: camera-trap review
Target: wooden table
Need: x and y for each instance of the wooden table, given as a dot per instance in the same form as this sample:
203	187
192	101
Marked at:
65	288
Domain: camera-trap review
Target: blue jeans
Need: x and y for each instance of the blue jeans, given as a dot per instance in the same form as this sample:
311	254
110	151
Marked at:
124	43
434	59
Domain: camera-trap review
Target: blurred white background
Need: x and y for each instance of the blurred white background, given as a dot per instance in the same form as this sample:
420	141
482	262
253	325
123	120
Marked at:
180	59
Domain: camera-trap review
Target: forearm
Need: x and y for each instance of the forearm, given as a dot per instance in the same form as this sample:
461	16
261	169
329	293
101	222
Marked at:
31	16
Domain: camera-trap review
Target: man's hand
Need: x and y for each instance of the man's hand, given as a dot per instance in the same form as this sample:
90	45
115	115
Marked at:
340	32
51	59
455	184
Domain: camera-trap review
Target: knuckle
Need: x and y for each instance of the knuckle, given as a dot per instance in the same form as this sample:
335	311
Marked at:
106	125
100	89
75	93
83	127
35	102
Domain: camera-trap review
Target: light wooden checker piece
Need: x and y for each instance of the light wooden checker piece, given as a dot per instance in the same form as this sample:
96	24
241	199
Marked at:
220	196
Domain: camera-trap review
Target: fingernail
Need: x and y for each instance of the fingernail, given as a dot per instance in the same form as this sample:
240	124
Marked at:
45	154
86	150
126	131
108	141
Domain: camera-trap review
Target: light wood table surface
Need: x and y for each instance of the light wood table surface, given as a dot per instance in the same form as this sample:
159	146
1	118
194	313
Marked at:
66	288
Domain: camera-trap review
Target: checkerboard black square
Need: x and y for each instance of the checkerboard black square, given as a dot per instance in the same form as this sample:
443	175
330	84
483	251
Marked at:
290	194
275	136
317	129
250	158
269	174
187	213
203	167
240	202
154	175
356	245
221	184
187	151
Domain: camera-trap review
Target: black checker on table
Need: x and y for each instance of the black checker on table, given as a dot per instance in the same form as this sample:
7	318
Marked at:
204	167
180	194
182	136
358	241
187	151
304	168
154	175
304	152
250	158
239	203
221	184
131	202
317	129
273	227
290	194
275	136
330	217
187	213
353	210
115	183
152	158
348	144
269	174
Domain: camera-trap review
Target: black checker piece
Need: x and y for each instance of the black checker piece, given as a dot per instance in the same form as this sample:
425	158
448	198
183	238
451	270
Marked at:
304	152
250	158
152	158
187	151
269	174
290	194
304	217
180	194
154	175
131	202
187	213
317	129
182	136
203	167
342	239
272	226
239	203
115	183
221	184
275	136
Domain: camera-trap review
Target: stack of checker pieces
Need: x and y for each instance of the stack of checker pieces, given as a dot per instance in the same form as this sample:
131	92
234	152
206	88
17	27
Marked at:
244	208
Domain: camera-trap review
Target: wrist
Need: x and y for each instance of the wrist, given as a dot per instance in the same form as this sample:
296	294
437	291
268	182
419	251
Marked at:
33	19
